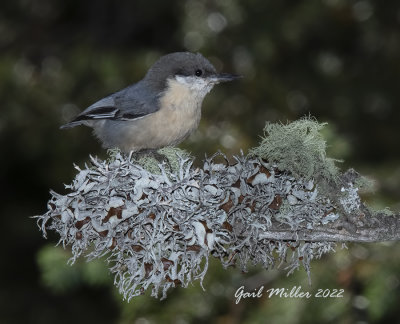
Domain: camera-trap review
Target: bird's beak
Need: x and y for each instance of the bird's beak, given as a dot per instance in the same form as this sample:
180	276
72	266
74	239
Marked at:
224	77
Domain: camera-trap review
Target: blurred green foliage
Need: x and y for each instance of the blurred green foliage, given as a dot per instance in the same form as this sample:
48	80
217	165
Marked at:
335	59
60	276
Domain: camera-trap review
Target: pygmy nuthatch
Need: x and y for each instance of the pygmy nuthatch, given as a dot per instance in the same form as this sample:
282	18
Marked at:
160	110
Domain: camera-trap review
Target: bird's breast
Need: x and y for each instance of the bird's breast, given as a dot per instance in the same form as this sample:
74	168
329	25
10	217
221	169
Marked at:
180	112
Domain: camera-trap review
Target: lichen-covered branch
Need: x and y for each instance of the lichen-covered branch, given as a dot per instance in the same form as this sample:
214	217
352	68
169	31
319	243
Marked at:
386	229
160	227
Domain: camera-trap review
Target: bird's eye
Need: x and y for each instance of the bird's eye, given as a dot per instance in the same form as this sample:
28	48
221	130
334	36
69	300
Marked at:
198	72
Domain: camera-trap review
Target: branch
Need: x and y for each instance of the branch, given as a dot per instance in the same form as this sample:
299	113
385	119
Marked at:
388	229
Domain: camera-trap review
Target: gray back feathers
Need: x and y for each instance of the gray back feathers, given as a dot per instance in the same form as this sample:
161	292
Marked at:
142	98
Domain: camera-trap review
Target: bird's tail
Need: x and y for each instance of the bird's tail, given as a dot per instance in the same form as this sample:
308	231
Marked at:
71	124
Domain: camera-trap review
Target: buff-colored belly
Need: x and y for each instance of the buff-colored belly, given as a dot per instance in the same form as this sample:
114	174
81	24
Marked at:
168	126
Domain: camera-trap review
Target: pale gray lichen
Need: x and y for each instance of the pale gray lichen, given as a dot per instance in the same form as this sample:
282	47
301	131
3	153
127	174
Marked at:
350	200
159	229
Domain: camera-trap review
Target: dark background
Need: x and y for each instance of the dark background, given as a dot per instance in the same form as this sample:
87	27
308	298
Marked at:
334	59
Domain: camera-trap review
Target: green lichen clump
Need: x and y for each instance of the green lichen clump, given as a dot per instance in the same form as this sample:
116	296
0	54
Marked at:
112	154
298	147
150	162
365	184
379	212
171	154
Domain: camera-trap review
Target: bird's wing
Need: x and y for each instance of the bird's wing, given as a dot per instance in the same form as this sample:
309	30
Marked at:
128	104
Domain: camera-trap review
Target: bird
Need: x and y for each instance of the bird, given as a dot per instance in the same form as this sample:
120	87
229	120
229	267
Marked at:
160	110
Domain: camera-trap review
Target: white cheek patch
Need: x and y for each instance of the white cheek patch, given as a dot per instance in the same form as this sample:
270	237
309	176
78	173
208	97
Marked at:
195	83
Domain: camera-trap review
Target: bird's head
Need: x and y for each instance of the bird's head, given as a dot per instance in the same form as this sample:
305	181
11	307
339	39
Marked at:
191	70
